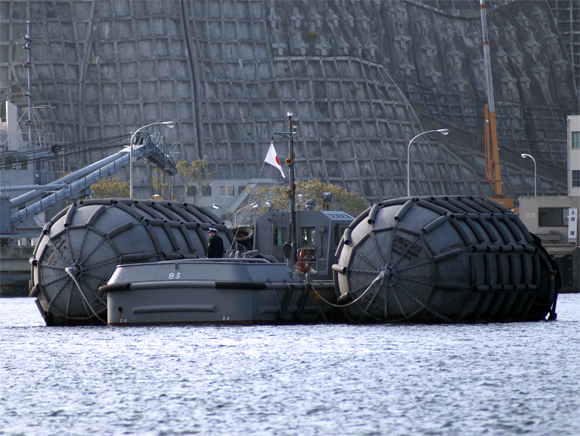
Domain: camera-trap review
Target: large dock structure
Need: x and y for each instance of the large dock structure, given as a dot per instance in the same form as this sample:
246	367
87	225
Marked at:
362	78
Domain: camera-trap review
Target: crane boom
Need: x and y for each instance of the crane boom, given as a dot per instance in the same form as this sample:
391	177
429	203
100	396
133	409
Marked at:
492	169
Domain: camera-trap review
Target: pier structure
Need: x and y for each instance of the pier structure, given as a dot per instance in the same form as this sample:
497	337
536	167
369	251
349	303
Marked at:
14	270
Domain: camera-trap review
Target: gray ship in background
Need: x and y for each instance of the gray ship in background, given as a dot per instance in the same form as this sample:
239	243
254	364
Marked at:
361	77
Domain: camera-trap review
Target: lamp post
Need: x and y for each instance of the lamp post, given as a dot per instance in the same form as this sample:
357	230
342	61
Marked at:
217	206
524	155
254	205
443	132
170	124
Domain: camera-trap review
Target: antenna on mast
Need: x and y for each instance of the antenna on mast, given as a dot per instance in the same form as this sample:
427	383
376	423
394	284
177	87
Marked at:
290	246
28	93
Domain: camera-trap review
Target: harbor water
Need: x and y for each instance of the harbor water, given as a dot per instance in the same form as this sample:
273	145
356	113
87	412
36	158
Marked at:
486	379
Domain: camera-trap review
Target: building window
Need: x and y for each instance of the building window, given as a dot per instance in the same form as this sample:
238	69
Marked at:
575	178
206	191
10	163
552	217
279	236
192	191
575	139
226	191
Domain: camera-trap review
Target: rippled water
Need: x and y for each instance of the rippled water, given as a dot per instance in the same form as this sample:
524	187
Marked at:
491	379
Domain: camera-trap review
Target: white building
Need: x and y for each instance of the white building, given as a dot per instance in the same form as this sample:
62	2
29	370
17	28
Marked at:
555	219
574	155
228	194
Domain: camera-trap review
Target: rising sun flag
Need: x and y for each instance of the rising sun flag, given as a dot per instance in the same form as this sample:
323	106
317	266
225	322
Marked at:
272	159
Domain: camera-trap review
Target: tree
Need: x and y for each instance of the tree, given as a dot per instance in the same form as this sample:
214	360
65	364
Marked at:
110	188
194	176
161	187
342	199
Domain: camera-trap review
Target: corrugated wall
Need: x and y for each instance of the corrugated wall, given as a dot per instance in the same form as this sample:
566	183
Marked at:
361	77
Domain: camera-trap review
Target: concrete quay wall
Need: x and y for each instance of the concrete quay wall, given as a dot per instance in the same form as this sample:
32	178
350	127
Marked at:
14	270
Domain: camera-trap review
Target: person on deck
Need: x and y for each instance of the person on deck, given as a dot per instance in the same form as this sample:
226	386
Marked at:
215	246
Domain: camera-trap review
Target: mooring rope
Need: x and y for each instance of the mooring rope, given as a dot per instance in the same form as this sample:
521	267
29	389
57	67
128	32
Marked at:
70	272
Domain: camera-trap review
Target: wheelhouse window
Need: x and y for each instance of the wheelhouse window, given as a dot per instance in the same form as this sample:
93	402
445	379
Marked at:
279	236
552	217
338	232
308	236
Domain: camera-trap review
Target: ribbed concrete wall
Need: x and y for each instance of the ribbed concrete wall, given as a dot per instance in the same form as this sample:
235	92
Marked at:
361	77
567	16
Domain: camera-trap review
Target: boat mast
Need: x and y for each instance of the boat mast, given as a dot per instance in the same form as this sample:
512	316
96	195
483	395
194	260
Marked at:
291	245
28	94
291	191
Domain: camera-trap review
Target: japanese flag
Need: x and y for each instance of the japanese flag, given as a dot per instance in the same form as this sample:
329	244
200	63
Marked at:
272	159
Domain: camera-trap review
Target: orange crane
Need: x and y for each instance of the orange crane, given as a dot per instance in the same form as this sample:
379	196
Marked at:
492	170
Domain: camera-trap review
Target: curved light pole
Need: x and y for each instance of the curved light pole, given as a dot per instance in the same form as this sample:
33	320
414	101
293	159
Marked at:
254	205
443	132
170	124
217	206
524	155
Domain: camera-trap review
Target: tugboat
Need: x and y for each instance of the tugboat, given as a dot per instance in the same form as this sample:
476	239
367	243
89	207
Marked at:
216	291
254	286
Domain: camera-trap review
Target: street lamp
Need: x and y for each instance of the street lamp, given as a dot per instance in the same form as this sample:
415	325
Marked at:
217	206
254	205
169	124
443	132
524	155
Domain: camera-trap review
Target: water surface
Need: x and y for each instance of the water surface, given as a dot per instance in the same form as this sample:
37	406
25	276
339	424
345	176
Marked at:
489	379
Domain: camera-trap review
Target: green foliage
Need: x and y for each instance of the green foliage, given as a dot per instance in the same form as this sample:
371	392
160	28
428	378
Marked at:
110	188
194	177
342	200
164	190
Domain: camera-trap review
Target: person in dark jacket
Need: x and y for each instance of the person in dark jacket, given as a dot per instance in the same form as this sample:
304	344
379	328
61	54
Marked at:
215	246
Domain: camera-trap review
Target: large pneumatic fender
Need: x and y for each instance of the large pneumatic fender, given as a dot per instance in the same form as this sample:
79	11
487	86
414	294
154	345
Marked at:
81	246
446	259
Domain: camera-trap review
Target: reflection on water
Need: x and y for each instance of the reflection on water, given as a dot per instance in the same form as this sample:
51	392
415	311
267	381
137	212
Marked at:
494	379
